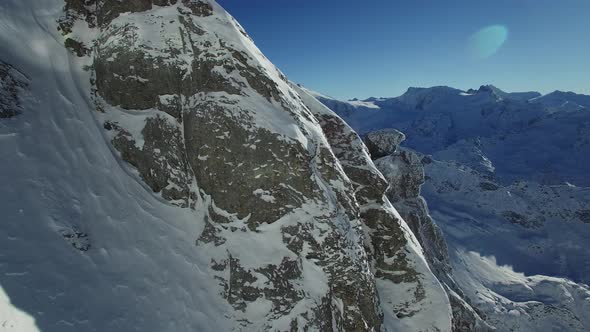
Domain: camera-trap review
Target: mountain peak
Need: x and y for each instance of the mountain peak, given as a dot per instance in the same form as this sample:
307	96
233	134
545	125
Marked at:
501	94
564	100
492	89
420	98
435	91
563	93
436	88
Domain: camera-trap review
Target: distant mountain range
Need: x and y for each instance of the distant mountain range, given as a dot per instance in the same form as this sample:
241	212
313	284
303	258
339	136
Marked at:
542	138
506	179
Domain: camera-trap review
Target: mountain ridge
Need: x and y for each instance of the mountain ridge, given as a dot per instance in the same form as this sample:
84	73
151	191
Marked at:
168	177
525	95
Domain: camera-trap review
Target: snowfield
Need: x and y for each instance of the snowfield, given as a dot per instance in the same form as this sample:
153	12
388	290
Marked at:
61	179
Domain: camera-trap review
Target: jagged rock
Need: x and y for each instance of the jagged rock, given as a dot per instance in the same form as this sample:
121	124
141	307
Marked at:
161	162
465	317
13	84
250	173
522	220
395	260
77	10
76	47
383	142
488	186
198	7
404	171
584	216
210	124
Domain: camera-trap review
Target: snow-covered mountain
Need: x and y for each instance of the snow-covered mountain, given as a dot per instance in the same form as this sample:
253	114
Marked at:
160	174
506	181
524	96
560	100
523	137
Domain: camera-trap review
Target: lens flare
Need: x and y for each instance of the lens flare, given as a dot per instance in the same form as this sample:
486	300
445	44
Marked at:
488	41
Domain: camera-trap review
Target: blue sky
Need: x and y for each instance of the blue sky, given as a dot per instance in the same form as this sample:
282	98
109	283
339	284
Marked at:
368	48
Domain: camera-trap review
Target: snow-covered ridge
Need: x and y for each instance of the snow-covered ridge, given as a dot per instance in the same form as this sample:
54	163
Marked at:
13	85
524	137
561	100
404	172
552	99
165	176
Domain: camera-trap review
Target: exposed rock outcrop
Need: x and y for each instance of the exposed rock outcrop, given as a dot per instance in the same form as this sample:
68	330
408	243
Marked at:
391	247
297	229
383	142
13	84
214	196
404	172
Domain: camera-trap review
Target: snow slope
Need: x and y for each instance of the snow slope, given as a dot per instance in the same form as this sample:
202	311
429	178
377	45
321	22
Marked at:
142	272
535	228
163	175
515	302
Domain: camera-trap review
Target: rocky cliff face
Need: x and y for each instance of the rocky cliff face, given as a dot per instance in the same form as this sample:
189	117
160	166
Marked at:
13	84
411	298
165	176
209	123
248	203
404	172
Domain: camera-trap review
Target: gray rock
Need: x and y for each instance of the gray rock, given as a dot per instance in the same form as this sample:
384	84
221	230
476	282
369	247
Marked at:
521	220
13	86
200	143
386	243
404	171
231	163
584	216
383	142
78	239
488	186
161	162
